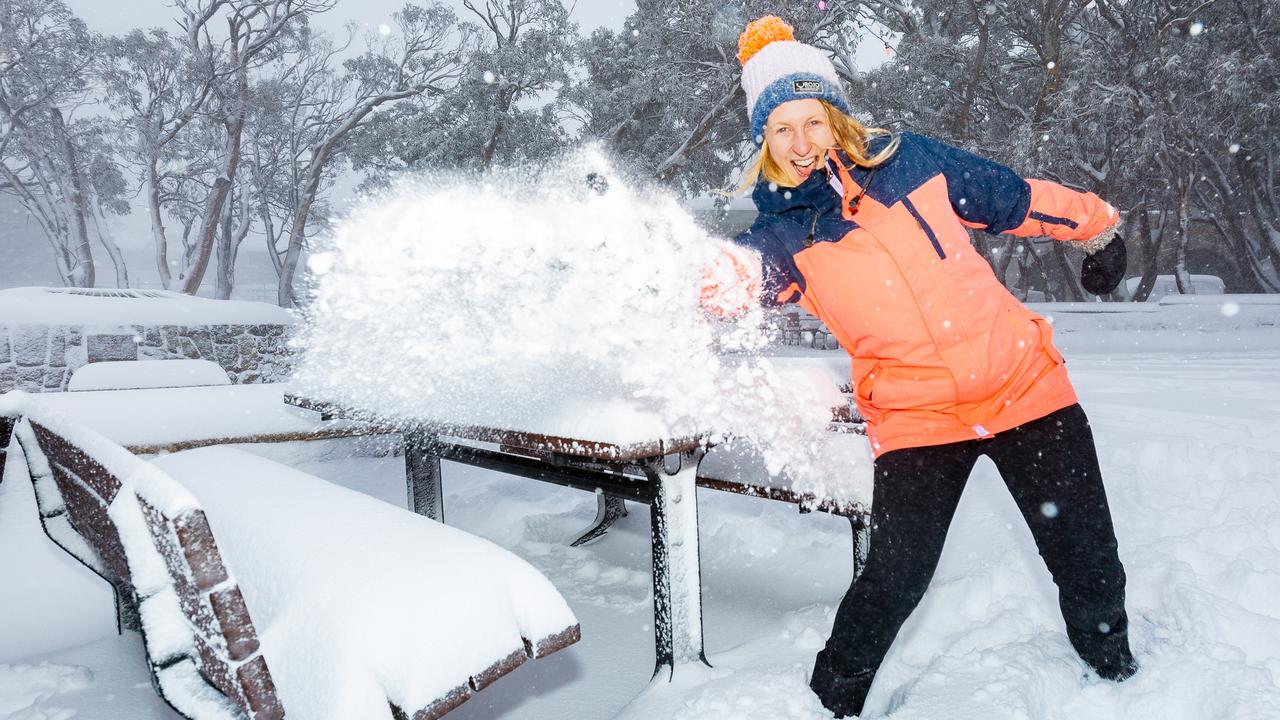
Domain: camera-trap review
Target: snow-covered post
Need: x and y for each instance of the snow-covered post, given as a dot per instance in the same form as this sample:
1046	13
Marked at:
422	469
6	431
677	578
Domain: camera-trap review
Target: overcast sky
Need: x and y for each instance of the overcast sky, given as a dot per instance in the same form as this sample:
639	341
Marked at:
118	16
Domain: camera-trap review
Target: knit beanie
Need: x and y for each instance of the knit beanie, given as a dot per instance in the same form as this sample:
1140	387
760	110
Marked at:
777	69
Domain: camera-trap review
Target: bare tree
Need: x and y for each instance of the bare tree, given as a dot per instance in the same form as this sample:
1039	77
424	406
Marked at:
254	29
159	90
45	160
419	56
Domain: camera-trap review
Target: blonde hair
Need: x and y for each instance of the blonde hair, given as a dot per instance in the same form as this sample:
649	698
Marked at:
851	136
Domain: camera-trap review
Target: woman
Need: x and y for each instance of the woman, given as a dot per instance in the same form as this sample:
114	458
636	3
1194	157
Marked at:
867	231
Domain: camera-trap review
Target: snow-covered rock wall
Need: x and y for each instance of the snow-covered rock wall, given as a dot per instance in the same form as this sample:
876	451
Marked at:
46	334
41	358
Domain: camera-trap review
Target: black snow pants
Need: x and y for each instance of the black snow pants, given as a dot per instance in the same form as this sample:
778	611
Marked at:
1050	466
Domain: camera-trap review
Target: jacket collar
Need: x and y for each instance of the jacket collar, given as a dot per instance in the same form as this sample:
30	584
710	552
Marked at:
815	193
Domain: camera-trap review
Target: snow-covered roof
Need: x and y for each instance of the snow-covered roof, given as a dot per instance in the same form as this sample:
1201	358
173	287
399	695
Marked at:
109	307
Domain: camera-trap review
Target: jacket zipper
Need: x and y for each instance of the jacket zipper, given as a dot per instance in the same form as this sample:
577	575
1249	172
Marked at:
937	246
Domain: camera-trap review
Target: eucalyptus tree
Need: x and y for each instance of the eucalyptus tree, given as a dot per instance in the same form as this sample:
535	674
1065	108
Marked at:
321	108
57	167
503	106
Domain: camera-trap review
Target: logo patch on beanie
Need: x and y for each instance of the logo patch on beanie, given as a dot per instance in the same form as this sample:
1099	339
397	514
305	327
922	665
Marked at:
806	86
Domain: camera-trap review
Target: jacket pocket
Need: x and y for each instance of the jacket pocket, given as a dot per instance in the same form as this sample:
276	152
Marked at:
924	225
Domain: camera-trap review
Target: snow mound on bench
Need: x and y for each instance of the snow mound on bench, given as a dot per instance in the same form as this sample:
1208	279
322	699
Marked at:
127	374
358	602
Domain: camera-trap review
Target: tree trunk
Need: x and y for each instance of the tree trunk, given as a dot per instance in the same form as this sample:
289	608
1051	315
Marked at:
297	232
1235	239
964	119
218	195
1070	282
109	243
158	239
1151	243
224	276
82	271
1180	274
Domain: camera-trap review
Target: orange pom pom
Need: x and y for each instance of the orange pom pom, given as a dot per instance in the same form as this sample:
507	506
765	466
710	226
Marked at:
761	32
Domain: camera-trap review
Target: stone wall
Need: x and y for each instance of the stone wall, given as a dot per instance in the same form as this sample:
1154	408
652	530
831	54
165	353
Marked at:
41	358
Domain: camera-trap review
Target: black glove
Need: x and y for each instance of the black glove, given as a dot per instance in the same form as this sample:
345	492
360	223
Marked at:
1103	270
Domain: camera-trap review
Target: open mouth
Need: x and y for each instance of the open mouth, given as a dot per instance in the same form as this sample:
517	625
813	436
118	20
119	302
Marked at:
805	166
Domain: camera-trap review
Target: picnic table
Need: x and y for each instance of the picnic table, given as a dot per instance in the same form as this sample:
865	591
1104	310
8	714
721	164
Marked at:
590	453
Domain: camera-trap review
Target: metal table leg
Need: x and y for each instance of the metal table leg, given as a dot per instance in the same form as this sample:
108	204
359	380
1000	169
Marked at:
422	474
609	509
677	582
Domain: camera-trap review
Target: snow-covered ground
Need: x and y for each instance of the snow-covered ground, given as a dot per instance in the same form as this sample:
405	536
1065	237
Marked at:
1189	438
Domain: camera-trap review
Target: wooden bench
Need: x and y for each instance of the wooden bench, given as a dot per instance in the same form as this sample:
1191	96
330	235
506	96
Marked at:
132	523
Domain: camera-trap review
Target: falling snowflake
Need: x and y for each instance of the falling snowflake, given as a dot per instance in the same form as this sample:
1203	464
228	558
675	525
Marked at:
489	77
1196	28
1051	65
1233	148
385	29
1229	309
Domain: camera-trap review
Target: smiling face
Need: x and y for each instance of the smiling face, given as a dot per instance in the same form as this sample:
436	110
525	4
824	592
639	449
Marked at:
798	134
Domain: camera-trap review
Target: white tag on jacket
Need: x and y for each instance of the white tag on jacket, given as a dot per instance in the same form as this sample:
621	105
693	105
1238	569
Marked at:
833	177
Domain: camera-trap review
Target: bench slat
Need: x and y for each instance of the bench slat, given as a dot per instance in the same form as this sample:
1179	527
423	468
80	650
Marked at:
201	552
233	617
88	470
259	690
88	515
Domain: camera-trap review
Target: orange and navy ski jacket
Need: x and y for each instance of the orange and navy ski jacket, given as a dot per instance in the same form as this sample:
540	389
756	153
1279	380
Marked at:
941	351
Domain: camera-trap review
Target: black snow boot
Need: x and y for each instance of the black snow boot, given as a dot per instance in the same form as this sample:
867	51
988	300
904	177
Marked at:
1107	653
1117	668
842	694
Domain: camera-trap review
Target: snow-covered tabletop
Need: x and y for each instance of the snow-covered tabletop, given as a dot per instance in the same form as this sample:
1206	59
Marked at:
613	430
578	421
